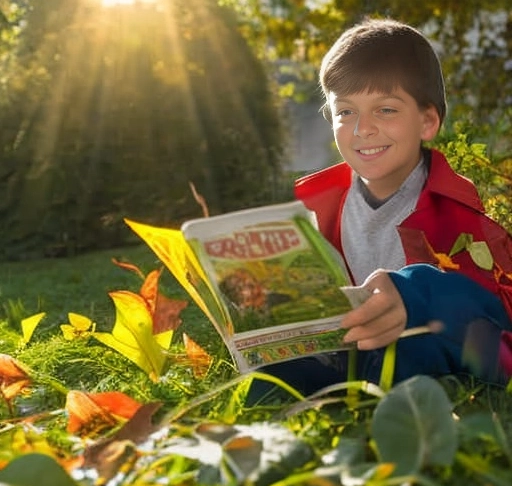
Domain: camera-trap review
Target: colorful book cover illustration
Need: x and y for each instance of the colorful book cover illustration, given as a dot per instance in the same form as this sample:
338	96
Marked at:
272	285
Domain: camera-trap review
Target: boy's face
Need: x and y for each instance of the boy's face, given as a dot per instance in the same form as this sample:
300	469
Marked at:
379	135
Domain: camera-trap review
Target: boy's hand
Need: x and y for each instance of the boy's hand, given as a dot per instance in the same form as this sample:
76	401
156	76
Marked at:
381	319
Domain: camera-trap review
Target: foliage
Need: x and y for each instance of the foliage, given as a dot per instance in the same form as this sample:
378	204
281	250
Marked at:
94	94
80	413
474	45
493	179
89	95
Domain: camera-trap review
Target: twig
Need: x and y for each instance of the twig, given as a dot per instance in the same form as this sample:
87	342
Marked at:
199	199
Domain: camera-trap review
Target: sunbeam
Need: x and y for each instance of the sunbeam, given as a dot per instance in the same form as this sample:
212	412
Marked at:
115	3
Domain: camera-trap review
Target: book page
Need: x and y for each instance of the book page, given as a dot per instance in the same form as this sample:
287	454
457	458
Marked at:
279	281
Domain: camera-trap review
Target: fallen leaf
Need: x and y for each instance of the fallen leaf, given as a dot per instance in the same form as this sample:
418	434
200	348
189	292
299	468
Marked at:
128	266
165	311
132	335
200	359
166	316
90	413
172	249
109	455
13	379
78	326
29	325
149	289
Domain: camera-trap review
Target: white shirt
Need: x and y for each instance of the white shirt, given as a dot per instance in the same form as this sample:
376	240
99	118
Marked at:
370	239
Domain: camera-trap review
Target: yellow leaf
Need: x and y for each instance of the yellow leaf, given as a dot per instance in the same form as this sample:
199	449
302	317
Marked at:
172	249
164	339
29	325
78	326
79	322
384	470
132	335
68	332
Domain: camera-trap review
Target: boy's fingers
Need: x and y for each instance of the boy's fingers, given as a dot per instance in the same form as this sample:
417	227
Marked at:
366	312
391	322
379	341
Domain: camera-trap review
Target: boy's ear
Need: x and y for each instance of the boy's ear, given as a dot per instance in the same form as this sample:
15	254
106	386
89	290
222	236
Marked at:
431	123
326	112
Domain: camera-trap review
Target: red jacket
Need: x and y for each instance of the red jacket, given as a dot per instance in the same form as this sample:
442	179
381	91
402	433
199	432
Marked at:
449	205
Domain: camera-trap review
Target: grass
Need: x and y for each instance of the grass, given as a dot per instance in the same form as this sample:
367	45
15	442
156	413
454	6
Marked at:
81	285
336	424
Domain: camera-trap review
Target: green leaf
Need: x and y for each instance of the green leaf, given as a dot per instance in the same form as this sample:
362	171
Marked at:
349	451
35	469
481	255
461	243
388	367
413	426
258	454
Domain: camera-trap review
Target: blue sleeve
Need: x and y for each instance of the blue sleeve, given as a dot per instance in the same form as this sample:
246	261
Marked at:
449	297
463	307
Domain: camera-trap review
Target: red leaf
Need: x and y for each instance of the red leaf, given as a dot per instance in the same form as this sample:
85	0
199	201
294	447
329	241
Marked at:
91	412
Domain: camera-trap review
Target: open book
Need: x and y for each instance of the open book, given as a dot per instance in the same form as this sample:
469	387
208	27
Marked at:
273	287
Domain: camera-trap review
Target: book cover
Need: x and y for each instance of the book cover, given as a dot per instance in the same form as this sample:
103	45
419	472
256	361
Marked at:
272	285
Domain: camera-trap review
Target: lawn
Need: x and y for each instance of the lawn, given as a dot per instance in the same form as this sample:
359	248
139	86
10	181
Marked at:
81	285
192	427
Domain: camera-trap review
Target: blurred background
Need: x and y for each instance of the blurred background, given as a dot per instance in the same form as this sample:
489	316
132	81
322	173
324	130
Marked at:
110	108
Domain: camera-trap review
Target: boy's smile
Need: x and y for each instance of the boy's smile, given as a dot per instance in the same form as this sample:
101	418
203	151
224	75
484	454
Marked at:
379	135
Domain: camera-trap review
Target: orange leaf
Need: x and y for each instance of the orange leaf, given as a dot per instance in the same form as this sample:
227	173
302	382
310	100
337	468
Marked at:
149	289
167	312
92	412
201	360
443	261
13	378
128	266
117	403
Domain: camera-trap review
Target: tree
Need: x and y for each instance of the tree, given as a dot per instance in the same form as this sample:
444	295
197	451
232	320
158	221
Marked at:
112	113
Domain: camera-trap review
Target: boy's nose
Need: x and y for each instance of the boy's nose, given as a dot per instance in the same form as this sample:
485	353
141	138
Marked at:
364	126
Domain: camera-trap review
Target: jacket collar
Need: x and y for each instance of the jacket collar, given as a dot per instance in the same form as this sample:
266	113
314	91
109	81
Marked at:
443	180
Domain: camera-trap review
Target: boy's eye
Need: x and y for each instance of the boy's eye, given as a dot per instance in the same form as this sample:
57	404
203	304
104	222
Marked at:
343	113
388	111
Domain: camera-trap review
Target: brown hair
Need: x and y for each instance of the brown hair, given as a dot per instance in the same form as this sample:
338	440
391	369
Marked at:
381	55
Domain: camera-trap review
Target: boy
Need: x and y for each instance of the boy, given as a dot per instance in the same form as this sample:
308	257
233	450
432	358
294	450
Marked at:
395	205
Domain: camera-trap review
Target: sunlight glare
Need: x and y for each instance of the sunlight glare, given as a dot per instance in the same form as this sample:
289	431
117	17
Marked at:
115	3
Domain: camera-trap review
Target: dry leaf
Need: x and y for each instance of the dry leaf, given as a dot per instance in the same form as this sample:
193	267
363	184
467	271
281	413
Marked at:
108	456
201	360
90	413
167	314
128	266
149	289
13	379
